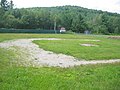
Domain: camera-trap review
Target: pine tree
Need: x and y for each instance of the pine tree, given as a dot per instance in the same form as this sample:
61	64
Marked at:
78	24
4	5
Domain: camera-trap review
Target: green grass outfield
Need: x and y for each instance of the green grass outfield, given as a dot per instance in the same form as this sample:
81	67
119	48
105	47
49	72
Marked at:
87	77
105	49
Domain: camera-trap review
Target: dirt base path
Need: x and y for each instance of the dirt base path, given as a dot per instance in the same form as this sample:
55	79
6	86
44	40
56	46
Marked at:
31	54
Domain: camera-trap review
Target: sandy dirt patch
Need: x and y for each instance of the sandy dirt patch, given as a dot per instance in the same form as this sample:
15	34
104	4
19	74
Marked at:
89	45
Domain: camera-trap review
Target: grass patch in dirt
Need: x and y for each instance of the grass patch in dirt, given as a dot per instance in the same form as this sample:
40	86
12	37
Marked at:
104	49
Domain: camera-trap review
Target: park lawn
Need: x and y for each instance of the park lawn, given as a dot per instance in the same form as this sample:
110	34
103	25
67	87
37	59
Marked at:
86	77
9	36
106	49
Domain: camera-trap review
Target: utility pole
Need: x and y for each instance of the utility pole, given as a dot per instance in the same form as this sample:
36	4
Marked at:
11	4
55	26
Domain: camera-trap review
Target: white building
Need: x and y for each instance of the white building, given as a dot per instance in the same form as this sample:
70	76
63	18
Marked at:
62	30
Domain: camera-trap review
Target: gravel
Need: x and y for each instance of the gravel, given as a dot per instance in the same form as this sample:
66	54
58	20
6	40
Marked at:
31	55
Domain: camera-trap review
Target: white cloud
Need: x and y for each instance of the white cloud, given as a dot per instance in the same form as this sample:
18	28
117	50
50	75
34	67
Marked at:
105	5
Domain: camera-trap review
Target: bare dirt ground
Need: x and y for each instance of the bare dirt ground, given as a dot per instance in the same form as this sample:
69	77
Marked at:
114	37
29	54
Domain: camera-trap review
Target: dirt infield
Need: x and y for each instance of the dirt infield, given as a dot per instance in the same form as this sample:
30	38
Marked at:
29	54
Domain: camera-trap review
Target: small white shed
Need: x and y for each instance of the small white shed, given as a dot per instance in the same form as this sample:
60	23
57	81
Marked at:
62	30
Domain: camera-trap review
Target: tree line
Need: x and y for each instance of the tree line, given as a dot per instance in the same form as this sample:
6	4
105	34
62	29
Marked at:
73	18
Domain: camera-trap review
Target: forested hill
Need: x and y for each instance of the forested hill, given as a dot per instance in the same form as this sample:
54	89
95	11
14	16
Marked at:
73	18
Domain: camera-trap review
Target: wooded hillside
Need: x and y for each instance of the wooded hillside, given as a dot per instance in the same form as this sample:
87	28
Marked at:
74	18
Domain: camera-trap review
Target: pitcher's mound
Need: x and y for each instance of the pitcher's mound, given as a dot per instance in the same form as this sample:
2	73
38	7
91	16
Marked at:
89	45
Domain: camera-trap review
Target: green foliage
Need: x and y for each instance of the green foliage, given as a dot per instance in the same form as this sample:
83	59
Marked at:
29	31
4	4
73	18
69	32
116	31
78	24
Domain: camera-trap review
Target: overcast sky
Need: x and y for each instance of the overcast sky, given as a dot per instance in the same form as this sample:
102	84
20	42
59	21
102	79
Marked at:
105	5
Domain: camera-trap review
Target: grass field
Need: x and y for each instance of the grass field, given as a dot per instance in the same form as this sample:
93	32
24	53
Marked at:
105	49
64	36
88	77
